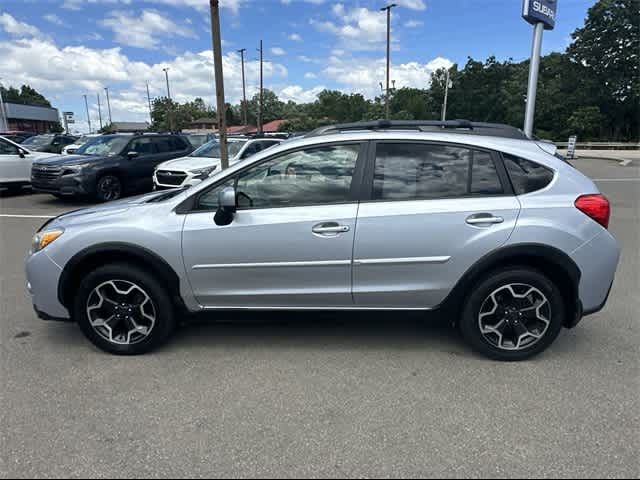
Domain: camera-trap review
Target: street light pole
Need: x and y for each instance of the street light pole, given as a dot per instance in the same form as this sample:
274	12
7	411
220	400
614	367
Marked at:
149	100
108	105
446	97
261	106
166	74
217	64
3	115
86	104
388	10
244	91
99	112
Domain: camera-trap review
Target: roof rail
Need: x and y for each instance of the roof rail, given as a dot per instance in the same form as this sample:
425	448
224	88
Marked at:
451	126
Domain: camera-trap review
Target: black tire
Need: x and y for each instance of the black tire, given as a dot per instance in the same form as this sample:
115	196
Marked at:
163	309
108	188
480	297
14	189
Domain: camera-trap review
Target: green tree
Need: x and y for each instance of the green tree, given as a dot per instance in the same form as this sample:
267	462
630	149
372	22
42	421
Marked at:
586	122
26	95
608	46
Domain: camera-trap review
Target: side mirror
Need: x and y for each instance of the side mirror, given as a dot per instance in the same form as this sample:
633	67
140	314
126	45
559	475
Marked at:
132	154
22	153
226	206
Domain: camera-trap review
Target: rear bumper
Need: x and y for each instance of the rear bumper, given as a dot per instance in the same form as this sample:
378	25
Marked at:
598	261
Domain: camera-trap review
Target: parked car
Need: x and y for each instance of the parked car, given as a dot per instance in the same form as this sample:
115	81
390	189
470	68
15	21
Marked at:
15	164
472	220
109	166
196	167
17	136
51	143
80	141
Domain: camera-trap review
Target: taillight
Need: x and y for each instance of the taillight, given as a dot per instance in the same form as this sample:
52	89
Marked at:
596	207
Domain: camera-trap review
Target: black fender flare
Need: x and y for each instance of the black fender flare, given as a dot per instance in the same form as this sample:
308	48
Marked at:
550	260
105	253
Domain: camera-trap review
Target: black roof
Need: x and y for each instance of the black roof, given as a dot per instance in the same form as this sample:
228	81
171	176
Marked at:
450	126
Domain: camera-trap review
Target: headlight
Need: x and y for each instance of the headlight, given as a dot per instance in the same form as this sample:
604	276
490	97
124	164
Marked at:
73	169
203	172
42	239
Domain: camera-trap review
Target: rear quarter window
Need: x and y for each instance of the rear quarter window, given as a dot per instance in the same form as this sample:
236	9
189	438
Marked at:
526	176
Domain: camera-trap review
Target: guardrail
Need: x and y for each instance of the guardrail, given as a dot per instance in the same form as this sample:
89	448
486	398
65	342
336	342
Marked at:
601	146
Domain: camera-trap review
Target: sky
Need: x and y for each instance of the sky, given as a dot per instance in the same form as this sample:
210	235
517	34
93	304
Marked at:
68	48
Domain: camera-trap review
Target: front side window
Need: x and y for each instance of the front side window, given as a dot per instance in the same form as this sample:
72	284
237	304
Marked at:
317	176
413	171
526	176
142	146
108	146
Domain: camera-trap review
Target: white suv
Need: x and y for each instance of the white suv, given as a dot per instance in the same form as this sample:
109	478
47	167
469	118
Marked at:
197	166
15	164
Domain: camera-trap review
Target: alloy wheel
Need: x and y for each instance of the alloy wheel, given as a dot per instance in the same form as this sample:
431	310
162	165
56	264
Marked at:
121	312
515	317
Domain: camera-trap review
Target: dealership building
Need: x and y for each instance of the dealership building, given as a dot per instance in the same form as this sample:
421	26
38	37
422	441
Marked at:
30	118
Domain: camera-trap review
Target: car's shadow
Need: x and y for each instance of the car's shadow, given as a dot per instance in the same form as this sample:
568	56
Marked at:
308	330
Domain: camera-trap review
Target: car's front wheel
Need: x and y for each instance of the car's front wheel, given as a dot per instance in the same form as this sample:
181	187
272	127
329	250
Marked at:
512	314
123	310
109	188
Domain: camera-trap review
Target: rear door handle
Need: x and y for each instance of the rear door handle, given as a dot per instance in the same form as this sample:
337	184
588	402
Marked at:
484	219
330	228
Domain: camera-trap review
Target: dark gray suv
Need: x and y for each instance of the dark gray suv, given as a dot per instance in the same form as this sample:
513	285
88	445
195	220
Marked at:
109	166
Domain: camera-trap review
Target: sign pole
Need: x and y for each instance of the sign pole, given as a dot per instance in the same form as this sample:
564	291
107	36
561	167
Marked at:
534	70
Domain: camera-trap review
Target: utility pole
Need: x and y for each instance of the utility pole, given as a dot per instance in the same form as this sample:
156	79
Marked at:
388	10
99	112
170	111
108	105
217	64
244	91
86	104
261	106
149	100
4	124
166	74
446	96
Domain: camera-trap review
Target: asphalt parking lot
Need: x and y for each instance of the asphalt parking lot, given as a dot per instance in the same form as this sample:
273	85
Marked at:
320	396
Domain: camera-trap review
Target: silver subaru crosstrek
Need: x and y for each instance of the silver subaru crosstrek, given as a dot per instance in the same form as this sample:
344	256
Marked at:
475	220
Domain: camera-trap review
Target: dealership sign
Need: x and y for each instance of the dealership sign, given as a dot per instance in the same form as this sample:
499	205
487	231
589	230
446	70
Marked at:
540	11
68	117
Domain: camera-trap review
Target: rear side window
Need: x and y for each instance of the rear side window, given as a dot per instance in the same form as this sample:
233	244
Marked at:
163	145
179	144
526	176
406	171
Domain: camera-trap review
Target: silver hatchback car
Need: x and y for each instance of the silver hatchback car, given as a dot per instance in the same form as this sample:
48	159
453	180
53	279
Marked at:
474	220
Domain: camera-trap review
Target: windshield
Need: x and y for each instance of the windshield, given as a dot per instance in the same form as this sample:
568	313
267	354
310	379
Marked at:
198	140
212	149
38	142
107	146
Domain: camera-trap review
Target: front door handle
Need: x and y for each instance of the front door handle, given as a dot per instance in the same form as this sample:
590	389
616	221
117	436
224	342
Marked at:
330	228
484	219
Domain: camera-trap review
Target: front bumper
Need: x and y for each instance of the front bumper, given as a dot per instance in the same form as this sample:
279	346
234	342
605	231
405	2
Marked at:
43	276
70	185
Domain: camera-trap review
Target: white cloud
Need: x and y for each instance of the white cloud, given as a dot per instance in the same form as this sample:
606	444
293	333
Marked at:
412	4
364	75
143	31
315	2
201	5
53	18
357	29
64	74
310	76
298	94
294	37
278	51
413	24
16	28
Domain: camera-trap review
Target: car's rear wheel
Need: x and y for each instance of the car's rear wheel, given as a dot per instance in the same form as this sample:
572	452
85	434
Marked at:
123	310
512	314
109	188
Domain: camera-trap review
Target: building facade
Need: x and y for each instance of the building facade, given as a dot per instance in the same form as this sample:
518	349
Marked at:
31	118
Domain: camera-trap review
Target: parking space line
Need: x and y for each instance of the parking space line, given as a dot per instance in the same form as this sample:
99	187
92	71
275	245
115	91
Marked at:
2	215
